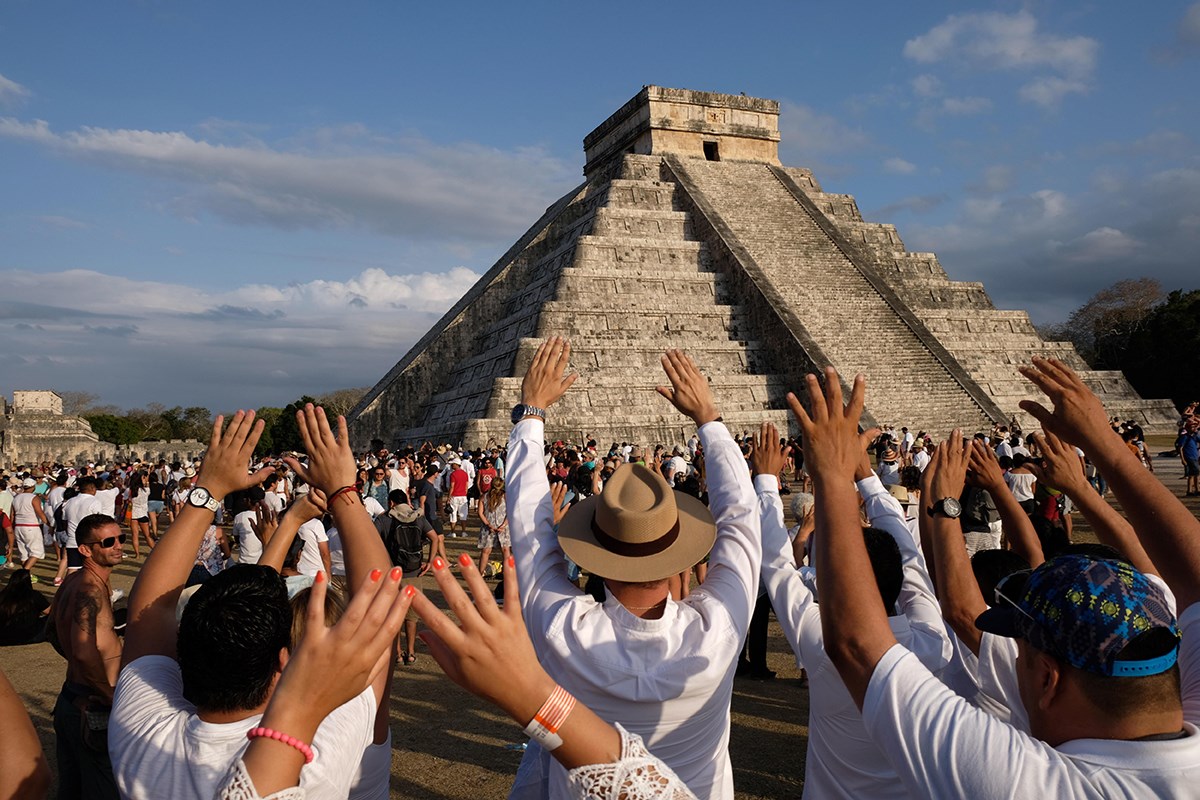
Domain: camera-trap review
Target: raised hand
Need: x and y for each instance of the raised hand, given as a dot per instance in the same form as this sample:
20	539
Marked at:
983	468
831	443
489	641
766	456
308	506
330	462
226	462
949	468
545	382
558	498
264	523
1060	466
689	391
1078	416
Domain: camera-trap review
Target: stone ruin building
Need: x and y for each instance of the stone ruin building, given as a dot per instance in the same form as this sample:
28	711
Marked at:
34	429
688	232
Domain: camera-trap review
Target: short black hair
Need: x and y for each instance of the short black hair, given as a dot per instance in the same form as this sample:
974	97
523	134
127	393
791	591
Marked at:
991	567
88	525
230	636
397	497
85	482
886	564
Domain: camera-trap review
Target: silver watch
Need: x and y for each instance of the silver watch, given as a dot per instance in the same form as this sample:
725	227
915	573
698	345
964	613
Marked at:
200	498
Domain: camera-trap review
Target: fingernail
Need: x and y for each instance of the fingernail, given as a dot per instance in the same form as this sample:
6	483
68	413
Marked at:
320	577
376	575
396	573
438	563
512	562
465	560
410	590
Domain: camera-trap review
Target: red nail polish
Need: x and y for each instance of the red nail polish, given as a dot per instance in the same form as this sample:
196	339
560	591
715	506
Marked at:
320	578
396	573
376	575
438	563
512	562
410	590
465	560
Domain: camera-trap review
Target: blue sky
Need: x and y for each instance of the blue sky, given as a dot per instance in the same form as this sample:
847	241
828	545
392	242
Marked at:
230	204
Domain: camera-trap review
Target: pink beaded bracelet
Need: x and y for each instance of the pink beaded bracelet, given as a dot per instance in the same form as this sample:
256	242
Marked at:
283	738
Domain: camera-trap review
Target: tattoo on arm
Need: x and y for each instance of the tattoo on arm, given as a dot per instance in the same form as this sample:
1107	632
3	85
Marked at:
87	610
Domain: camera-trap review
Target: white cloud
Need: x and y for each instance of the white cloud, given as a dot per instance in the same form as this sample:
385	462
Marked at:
996	179
11	91
1010	42
898	166
811	131
260	344
1099	245
926	85
993	40
1188	33
1048	92
61	223
342	177
965	106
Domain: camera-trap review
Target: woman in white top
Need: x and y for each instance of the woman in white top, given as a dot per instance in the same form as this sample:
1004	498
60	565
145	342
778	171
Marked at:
139	513
1022	483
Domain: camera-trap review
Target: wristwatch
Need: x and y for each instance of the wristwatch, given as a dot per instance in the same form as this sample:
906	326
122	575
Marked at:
200	498
947	507
520	411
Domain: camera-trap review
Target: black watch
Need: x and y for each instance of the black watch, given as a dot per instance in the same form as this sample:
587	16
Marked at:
947	507
521	411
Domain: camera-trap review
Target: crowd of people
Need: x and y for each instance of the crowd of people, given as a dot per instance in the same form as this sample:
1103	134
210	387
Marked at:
931	591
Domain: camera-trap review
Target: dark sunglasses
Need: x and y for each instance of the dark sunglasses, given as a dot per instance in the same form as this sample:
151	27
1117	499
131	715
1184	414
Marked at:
106	543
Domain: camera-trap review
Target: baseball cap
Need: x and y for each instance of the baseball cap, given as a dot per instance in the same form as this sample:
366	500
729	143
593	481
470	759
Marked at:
1085	611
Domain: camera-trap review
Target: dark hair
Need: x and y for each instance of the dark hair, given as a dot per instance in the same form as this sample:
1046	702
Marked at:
991	567
886	564
1006	462
85	482
230	636
397	496
89	524
1120	697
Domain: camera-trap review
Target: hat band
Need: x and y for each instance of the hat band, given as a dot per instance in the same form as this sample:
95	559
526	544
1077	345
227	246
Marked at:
636	549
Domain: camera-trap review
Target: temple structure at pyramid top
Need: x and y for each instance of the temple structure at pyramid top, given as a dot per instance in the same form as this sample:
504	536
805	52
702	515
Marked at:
688	232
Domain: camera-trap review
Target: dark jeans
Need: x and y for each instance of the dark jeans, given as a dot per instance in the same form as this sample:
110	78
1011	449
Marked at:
755	650
84	770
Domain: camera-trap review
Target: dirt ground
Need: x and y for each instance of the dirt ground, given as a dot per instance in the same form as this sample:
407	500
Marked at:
447	745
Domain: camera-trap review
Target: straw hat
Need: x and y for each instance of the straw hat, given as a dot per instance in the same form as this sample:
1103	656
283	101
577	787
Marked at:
638	529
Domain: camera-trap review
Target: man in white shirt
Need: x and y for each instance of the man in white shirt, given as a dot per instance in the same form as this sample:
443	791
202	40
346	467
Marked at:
315	556
81	505
842	761
189	691
1100	668
661	668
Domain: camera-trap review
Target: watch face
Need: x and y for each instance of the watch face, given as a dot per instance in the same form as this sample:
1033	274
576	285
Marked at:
518	413
198	496
951	507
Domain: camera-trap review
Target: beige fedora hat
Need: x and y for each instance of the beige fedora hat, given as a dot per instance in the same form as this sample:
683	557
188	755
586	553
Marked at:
638	529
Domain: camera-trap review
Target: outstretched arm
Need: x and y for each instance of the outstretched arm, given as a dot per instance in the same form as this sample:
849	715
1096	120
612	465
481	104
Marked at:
958	591
152	627
984	472
1061	469
853	621
1168	531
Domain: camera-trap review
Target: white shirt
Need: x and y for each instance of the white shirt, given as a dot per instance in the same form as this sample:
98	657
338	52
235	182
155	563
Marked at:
274	501
160	748
920	459
372	506
337	560
842	761
312	533
1004	449
942	746
75	509
250	548
108	500
669	680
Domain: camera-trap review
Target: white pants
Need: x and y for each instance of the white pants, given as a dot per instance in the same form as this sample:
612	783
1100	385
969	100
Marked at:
29	541
458	510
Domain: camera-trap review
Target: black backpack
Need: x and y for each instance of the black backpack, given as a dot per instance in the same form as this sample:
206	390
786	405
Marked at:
405	543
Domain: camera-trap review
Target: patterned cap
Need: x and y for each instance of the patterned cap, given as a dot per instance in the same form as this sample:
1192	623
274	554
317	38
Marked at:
1085	611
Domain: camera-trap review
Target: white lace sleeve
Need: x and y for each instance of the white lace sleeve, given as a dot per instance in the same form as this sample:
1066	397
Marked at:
238	786
638	775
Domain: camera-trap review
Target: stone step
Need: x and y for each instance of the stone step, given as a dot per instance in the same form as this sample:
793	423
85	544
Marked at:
640	223
641	194
608	287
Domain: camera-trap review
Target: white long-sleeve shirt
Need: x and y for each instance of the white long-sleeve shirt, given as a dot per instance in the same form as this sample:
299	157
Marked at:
668	680
842	761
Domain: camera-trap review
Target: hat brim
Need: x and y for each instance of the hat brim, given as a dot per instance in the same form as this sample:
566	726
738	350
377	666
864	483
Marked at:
1001	621
697	532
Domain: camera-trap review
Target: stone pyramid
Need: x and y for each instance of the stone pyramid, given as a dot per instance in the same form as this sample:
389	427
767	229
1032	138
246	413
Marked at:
687	232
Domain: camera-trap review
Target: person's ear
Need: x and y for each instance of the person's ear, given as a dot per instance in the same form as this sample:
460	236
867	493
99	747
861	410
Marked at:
284	655
1048	682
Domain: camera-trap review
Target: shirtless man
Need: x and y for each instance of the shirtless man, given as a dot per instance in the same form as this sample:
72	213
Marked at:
83	623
